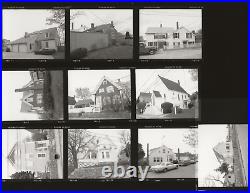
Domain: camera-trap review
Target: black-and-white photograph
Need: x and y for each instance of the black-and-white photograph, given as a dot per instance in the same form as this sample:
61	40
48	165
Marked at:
32	154
170	33
90	150
167	94
33	34
32	95
223	155
169	153
99	94
101	33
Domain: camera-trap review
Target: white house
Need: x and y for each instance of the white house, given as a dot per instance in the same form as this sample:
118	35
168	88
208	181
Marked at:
167	91
100	150
161	154
168	37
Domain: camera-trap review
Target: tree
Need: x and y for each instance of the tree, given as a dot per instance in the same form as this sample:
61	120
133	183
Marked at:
83	93
194	74
213	181
191	138
77	139
125	139
58	17
141	152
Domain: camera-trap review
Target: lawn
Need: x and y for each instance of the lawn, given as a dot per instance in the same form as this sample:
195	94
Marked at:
113	52
102	115
185	114
31	55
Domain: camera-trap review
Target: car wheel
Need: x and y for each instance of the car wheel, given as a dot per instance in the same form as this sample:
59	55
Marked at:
165	170
151	52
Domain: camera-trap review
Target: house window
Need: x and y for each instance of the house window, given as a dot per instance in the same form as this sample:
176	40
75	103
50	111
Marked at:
47	44
182	97
164	95
103	156
178	97
166	36
108	100
104	82
47	35
29	100
154	159
155	43
163	151
161	159
41	155
39	98
38	145
110	89
101	90
188	35
176	35
107	155
159	36
150	43
30	46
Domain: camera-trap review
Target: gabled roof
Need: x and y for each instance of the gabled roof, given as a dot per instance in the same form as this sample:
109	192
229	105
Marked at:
159	30
25	107
71	100
11	155
37	35
100	27
163	146
157	93
145	95
171	85
106	78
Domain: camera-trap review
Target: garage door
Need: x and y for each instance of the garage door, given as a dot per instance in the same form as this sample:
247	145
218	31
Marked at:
22	48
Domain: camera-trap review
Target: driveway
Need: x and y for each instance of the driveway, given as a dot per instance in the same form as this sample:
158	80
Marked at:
188	53
182	172
15	55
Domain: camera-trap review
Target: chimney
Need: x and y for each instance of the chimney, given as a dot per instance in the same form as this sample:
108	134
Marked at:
72	26
179	82
26	34
112	23
177	25
160	25
92	25
119	80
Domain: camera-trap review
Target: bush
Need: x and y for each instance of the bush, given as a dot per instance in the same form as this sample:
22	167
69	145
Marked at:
123	162
190	105
167	107
79	53
7	50
141	106
178	110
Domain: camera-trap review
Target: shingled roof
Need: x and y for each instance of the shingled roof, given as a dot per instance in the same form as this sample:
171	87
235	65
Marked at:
160	30
157	93
171	85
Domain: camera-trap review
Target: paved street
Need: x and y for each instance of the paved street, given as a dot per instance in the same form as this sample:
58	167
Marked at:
190	53
182	172
14	55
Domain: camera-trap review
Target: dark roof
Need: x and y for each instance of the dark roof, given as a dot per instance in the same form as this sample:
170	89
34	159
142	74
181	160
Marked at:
84	102
71	100
159	30
145	95
171	85
37	35
100	27
157	93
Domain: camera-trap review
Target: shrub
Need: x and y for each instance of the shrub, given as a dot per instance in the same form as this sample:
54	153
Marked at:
190	105
167	107
178	110
7	50
79	53
141	106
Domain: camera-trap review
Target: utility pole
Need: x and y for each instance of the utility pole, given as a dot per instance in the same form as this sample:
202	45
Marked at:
147	153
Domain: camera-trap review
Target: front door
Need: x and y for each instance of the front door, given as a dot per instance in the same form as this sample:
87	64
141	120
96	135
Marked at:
99	101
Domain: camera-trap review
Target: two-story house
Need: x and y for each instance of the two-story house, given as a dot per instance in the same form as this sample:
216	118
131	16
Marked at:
31	42
168	37
32	99
112	96
161	154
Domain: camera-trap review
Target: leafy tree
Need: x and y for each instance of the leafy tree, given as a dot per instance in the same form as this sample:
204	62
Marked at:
141	152
191	138
125	139
194	74
83	93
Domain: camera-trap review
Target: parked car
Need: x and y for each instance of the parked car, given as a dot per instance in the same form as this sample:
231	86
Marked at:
164	166
185	162
143	50
45	51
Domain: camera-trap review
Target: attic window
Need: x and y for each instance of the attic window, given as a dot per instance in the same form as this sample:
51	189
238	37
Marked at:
105	82
188	35
176	35
110	89
47	35
163	151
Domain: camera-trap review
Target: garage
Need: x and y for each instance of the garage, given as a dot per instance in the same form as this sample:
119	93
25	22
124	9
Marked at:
19	48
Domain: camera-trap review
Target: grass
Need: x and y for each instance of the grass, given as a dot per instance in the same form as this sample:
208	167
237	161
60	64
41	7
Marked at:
112	52
103	115
59	55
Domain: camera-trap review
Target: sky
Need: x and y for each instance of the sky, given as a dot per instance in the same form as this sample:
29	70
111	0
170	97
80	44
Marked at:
11	100
172	138
209	137
91	78
189	18
146	77
18	21
9	138
113	134
122	18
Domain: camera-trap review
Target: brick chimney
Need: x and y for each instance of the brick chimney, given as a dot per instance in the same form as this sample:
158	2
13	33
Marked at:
92	25
177	25
160	25
112	23
179	82
72	26
26	34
